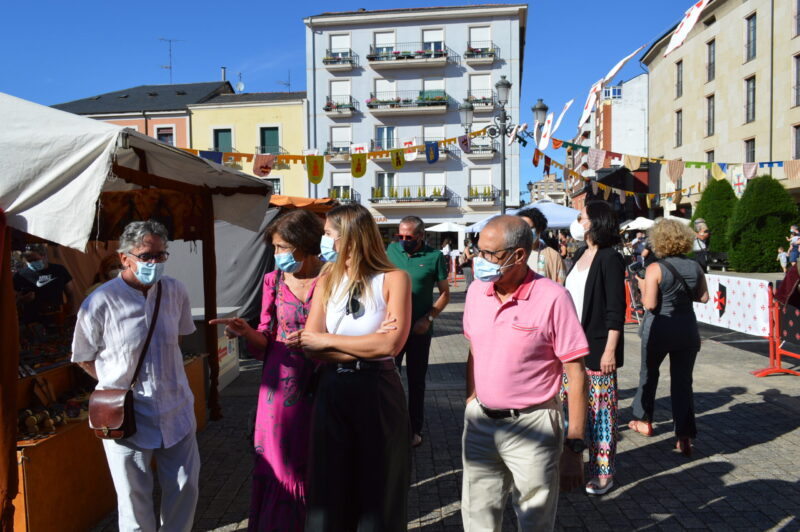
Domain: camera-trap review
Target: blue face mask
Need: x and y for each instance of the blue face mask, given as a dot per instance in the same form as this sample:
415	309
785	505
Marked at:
149	273
287	263
486	271
326	247
37	265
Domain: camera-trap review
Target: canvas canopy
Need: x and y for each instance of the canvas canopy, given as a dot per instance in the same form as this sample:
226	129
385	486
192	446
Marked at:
55	166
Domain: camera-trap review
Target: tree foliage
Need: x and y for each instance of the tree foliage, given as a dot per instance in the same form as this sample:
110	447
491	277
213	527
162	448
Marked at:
715	207
759	224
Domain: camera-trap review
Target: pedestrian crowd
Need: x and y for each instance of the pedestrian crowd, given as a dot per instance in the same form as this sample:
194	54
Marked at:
335	431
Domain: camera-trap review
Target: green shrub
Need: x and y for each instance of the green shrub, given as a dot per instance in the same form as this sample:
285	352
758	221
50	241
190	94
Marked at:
715	207
759	224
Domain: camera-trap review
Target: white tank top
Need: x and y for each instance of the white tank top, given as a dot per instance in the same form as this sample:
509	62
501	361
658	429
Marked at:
369	316
576	286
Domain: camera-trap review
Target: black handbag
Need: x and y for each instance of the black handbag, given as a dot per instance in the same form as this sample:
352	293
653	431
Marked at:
111	415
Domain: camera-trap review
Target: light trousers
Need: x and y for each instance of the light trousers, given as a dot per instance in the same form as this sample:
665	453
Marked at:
518	455
178	474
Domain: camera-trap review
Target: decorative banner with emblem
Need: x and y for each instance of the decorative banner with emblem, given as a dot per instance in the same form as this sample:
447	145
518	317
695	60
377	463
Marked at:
316	168
736	303
358	164
398	159
432	152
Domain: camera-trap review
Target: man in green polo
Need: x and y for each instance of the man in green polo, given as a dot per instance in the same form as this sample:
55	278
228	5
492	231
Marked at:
427	268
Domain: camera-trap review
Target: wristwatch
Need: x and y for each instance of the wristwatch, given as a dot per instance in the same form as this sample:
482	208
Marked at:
430	318
576	445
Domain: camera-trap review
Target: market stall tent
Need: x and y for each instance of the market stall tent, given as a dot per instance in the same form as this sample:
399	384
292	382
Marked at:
64	177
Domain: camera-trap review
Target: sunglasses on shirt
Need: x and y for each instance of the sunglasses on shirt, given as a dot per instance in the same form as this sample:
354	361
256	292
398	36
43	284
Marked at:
353	304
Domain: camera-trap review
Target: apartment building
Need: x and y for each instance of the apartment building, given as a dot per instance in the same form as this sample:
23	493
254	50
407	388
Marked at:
730	94
379	80
548	188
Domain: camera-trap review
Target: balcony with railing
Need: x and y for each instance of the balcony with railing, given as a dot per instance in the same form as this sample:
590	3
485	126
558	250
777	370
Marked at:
340	59
410	55
481	53
423	102
274	150
344	195
338	151
482	149
343	106
483	101
482	195
417	196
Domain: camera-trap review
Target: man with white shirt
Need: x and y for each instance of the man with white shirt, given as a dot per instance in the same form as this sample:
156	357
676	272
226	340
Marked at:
110	333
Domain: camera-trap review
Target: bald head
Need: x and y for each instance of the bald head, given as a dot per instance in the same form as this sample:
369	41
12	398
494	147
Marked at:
508	232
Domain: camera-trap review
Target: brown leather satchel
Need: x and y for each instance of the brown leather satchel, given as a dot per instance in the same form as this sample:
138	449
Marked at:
111	411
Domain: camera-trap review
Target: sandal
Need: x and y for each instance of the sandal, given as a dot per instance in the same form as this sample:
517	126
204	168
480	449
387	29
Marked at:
594	488
642	427
684	445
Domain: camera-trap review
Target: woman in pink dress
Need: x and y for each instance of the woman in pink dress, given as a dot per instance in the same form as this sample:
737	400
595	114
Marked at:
285	399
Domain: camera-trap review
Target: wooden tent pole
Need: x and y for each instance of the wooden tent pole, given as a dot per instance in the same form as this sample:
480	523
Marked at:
210	302
9	362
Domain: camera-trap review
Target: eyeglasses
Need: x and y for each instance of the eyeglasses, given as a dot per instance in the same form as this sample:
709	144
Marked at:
485	254
405	237
161	256
353	304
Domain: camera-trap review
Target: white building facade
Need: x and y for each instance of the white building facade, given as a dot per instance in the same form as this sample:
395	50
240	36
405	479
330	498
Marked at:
381	80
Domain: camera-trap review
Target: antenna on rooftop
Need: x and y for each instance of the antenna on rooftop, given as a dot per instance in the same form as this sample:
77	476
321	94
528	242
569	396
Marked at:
288	82
169	67
240	84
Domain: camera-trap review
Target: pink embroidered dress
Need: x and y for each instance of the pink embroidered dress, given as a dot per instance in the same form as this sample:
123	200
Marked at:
283	419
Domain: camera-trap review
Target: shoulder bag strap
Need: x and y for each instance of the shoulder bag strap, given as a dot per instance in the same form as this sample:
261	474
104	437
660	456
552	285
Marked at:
149	336
679	277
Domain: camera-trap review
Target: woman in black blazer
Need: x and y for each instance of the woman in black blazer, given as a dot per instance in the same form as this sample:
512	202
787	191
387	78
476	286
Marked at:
596	283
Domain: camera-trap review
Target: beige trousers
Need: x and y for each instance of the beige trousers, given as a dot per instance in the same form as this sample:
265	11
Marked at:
520	455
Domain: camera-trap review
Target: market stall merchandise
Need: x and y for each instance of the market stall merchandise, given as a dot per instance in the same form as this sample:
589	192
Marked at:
68	180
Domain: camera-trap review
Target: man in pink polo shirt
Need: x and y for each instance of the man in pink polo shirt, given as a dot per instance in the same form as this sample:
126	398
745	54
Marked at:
523	332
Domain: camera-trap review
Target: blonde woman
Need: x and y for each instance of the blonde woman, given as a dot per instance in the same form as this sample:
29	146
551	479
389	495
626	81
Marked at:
669	288
360	436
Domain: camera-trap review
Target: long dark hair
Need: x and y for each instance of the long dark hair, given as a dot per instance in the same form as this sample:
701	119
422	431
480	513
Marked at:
605	228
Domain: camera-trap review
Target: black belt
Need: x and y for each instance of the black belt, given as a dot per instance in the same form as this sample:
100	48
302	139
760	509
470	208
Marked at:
365	365
500	414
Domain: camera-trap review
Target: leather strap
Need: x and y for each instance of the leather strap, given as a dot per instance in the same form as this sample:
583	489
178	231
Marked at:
149	336
679	277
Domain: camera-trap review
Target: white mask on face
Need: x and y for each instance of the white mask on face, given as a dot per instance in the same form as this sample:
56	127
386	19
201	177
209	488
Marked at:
577	231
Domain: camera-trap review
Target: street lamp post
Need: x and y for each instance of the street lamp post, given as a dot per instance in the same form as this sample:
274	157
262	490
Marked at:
540	116
503	89
465	112
530	190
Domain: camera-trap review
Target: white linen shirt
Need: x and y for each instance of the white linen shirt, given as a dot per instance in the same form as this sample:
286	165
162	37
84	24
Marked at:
111	328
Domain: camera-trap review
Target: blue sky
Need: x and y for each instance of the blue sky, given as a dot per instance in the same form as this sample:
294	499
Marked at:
60	51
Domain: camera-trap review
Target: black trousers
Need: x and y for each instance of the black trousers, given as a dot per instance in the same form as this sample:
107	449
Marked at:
417	351
681	366
360	460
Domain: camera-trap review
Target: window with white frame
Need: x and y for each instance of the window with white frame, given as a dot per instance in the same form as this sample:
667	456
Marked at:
385	89
340	186
384	42
480	87
340	139
385	138
480	37
434	183
431	133
340	92
433	40
276	184
340	46
166	134
384	182
223	139
480	182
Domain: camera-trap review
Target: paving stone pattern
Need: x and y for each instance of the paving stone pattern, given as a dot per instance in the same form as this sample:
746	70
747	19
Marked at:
744	475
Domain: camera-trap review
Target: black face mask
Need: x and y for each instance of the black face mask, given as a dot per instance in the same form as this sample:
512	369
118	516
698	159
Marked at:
410	246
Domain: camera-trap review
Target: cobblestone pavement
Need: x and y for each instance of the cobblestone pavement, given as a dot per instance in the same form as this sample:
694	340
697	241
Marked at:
745	473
